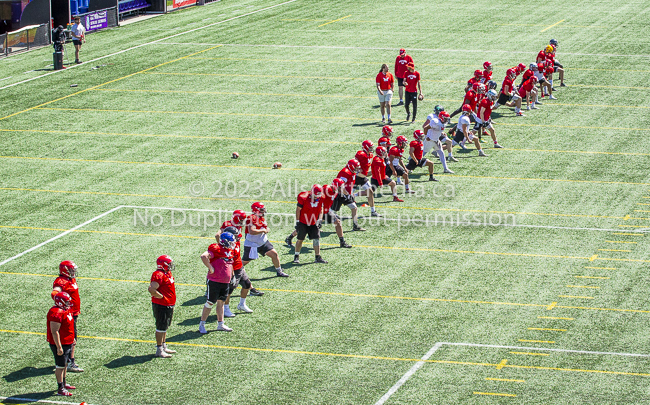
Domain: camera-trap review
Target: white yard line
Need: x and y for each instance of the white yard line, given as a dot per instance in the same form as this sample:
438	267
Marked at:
547	349
198	209
148	43
19	400
408	374
59	235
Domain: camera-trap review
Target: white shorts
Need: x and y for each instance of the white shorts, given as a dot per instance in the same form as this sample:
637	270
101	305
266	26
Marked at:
386	97
430	144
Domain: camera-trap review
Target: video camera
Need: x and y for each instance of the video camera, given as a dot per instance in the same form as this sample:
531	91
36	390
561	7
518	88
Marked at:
58	38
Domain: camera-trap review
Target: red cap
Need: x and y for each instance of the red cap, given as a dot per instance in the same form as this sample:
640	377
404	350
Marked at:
402	51
410	65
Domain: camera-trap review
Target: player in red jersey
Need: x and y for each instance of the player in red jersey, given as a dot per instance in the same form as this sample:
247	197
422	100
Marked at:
379	177
478	75
527	90
60	336
385	84
309	214
483	118
412	86
396	167
470	99
163	300
238	221
528	73
508	91
67	282
257	242
416	158
555	64
219	261
364	156
348	176
401	62
487	73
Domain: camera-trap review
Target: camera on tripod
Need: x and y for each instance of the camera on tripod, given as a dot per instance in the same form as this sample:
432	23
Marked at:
58	38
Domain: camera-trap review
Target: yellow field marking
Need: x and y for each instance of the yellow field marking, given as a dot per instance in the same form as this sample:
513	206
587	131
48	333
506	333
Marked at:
618	241
601	268
582	286
530	354
551	26
502	364
494	393
579	151
595	277
592	258
632	226
579	370
108	82
555	317
576	296
628	234
613	259
642	204
603	309
548	329
342	18
536	341
551	306
301	169
504	379
614	250
237	93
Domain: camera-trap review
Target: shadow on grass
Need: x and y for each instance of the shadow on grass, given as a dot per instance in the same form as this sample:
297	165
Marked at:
129	361
192	322
28	372
194	301
192	334
30	397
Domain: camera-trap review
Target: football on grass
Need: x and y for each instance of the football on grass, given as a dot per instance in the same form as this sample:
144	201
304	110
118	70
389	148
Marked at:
235	155
277	165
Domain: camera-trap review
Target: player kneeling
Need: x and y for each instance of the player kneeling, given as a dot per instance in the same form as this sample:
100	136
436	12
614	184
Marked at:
416	158
379	177
309	214
463	133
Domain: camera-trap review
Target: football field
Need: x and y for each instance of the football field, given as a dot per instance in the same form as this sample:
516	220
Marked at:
520	279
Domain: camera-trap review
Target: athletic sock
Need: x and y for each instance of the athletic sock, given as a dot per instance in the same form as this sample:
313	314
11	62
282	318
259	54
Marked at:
407	187
278	269
388	116
72	361
342	239
449	154
441	156
219	323
60	384
226	306
201	323
372	209
496	105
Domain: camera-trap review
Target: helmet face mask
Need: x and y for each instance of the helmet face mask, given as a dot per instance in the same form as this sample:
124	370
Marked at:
381	151
443	117
492	94
63	300
492	84
165	263
418	135
68	269
258	209
234	231
238	217
367	146
354	166
387	131
227	240
437	109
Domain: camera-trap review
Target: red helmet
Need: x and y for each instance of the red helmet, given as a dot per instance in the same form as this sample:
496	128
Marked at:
511	73
316	190
380	151
67	268
384	141
165	263
63	300
487	65
401	141
337	183
534	79
467	108
418	135
354	165
387	131
521	67
540	67
549	70
443	116
258	209
238	217
395	151
478	74
367	146
479	88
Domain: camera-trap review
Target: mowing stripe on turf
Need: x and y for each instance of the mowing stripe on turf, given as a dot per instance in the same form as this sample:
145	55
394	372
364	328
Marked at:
306	170
581	286
576	296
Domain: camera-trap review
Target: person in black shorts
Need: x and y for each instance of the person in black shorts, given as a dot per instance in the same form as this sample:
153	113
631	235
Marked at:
309	213
163	299
379	177
416	158
78	37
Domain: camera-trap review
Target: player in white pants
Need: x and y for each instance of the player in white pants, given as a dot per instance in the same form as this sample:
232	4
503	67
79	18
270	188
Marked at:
433	128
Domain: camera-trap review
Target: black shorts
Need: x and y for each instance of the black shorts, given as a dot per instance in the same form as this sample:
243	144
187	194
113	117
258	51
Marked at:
75	325
400	81
503	98
163	316
412	165
76	42
375	184
61	361
542	80
330	217
239	277
398	169
307	230
557	65
459	136
341	200
217	291
360	181
261	251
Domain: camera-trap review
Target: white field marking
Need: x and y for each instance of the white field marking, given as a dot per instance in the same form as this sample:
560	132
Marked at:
148	43
19	400
60	235
5	78
395	49
198	209
546	349
408	374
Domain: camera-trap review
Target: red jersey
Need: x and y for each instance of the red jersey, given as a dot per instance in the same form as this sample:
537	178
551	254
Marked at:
417	149
470	98
329	194
378	169
222	260
69	285
548	71
400	65
236	252
506	87
541	56
526	86
166	287
527	75
385	81
385	142
66	331
258	222
487	76
310	208
364	159
348	178
487	106
412	79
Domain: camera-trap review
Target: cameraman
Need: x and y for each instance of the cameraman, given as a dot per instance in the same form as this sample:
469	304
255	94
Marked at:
58	38
78	37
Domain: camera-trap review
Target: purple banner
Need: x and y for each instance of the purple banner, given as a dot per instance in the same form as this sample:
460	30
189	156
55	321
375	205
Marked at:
96	21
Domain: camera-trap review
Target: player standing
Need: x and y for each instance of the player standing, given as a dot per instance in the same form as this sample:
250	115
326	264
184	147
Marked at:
67	283
401	62
239	276
60	336
412	86
257	242
218	259
385	84
163	299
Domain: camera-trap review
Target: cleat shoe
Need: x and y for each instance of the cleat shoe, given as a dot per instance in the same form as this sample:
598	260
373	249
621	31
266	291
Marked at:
462	145
563	85
345	245
534	107
282	274
451	158
227	312
357	228
69	387
202	329
448	171
408	117
481	153
168	350
296	260
288	241
431	178
63	392
244	307
409	191
383	120
497	146
161	353
398	181
401	102
537	102
397	199
390	121
553	88
519	114
74	367
552	97
375	214
224	328
320	260
255	291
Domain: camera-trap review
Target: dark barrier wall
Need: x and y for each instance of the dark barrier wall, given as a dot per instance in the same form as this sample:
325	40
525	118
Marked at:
94	5
35	13
61	12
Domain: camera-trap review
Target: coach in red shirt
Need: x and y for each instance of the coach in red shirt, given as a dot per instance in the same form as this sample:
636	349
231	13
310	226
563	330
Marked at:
309	213
401	62
163	299
60	336
412	84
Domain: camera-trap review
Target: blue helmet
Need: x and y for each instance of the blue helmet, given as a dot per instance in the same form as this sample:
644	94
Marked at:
553	42
492	84
227	240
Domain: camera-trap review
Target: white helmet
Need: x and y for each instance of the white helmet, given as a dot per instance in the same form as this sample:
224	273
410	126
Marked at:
492	94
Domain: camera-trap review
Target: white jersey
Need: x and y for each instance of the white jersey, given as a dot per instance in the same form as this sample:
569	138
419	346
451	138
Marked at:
539	75
78	31
435	132
463	120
